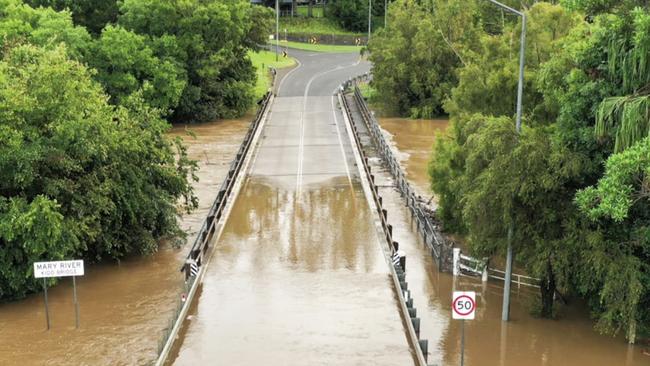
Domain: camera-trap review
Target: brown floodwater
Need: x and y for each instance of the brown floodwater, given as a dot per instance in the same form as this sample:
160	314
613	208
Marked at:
125	307
524	341
413	140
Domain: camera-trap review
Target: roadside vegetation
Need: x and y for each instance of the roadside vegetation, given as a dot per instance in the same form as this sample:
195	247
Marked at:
262	61
87	95
574	183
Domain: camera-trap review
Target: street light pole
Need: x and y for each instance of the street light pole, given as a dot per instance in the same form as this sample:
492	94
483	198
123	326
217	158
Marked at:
385	13
369	18
505	310
277	29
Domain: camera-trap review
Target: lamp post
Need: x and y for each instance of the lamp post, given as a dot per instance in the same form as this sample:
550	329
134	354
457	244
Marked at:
505	311
277	29
369	18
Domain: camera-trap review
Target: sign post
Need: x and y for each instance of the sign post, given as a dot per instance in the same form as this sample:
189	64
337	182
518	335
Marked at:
463	307
47	308
72	268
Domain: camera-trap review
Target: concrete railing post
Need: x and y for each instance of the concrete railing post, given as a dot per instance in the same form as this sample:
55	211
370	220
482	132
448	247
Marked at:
456	268
484	275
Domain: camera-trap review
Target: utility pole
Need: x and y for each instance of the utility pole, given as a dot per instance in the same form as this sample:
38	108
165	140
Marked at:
277	29
505	310
369	18
385	13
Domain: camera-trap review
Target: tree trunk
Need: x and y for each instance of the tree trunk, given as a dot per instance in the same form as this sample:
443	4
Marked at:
294	6
631	332
547	289
309	8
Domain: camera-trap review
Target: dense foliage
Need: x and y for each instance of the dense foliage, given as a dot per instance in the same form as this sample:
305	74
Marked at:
572	188
86	169
352	15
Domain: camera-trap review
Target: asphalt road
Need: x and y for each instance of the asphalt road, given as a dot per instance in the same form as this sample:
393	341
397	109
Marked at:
298	276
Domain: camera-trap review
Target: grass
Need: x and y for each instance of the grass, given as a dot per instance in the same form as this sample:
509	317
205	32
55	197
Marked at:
262	60
317	11
367	91
318	47
315	26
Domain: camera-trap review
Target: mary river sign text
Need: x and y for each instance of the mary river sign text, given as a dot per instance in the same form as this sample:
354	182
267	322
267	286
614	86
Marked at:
59	269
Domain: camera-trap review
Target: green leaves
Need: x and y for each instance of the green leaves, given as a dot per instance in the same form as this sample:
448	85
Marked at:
80	177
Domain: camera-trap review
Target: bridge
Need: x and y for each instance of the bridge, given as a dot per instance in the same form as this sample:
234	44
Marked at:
295	260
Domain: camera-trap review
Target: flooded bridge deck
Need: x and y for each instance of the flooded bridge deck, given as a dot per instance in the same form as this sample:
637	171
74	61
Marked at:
298	274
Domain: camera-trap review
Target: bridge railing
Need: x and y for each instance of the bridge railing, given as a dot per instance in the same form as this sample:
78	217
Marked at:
440	248
198	253
398	259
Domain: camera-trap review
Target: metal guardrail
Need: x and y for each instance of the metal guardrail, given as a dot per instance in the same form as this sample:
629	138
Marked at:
199	250
398	270
440	249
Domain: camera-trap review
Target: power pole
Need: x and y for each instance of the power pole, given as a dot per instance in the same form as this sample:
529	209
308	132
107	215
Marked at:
369	18
505	310
277	29
385	13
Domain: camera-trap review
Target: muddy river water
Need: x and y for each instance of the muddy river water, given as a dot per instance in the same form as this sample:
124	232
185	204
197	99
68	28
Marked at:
123	308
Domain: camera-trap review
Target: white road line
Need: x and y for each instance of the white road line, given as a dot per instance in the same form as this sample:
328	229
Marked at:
287	76
338	133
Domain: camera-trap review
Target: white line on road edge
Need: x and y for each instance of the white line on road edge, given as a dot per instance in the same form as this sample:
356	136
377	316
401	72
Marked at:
287	75
338	133
241	177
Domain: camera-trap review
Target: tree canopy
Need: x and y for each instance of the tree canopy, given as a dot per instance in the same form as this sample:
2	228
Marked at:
86	169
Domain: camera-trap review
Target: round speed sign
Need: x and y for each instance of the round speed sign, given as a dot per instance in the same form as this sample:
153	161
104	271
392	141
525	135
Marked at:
463	305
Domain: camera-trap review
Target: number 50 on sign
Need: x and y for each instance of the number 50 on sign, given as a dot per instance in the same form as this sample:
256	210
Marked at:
463	305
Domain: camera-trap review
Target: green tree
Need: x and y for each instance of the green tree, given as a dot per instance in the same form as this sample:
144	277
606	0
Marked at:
210	39
91	14
125	65
352	15
414	61
619	251
20	23
488	178
79	177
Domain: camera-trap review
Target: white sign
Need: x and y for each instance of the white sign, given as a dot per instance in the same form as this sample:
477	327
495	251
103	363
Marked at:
59	269
271	37
463	305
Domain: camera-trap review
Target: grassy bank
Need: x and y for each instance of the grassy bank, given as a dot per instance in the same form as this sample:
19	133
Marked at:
318	47
262	61
313	26
316	11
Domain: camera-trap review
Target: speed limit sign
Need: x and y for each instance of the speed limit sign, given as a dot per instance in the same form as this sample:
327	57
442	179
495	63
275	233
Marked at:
463	305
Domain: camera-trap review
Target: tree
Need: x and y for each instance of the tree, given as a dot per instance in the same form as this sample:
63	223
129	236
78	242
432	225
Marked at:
126	65
91	14
619	254
210	40
352	15
79	177
482	166
45	27
414	62
627	115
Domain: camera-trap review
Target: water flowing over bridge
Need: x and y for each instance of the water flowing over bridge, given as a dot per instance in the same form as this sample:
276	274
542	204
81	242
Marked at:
299	271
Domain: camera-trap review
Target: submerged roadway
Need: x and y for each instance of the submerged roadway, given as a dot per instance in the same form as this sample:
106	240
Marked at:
298	275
